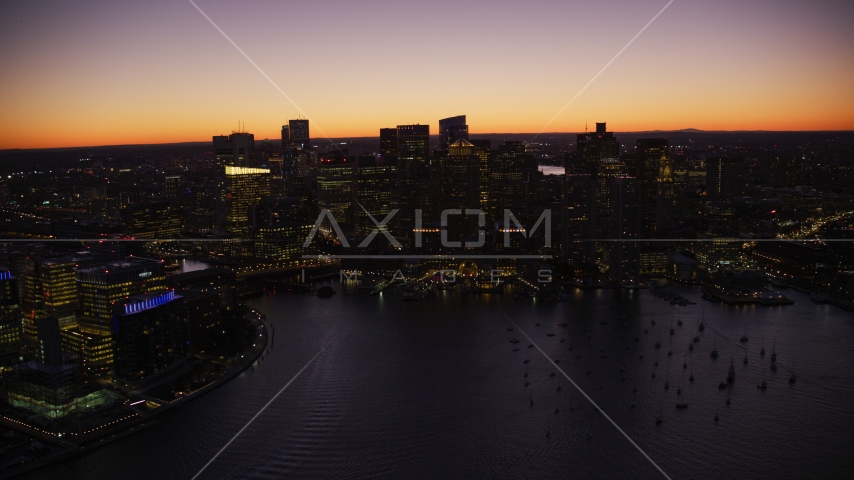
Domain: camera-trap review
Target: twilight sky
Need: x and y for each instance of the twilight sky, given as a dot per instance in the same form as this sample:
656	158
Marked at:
94	72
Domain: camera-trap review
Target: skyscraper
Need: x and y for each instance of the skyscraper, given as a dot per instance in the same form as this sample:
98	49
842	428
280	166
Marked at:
725	176
654	174
388	145
452	129
624	231
298	134
375	183
457	175
599	155
412	191
152	220
242	189
579	224
336	188
151	332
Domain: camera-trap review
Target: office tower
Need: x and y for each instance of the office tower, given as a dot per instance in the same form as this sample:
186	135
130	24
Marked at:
286	137
151	333
452	129
49	289
579	224
598	154
99	287
483	148
457	175
624	221
388	145
511	174
235	150
282	240
298	134
725	176
153	220
174	186
10	318
336	188
654	174
412	191
241	191
375	183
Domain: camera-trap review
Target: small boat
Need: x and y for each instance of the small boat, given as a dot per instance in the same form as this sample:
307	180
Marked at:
722	385
536	324
690	346
745	359
550	334
558	388
691	378
762	385
509	329
551	374
645	330
530	346
716	417
325	291
744	337
666	384
657	344
702	326
714	353
774	351
652	322
526	361
730	376
679	322
514	340
762	351
773	366
557	410
515	349
681	405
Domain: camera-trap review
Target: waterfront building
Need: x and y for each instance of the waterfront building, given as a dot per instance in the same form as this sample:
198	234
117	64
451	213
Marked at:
151	333
375	183
336	188
578	226
412	190
623	249
99	288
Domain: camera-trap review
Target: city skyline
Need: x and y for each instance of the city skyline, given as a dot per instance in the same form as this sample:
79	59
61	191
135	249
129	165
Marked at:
725	66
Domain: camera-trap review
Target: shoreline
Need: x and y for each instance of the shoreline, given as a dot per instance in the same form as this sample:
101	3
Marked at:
143	419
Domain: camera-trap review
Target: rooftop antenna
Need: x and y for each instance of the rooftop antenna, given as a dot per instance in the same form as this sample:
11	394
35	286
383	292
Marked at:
585	125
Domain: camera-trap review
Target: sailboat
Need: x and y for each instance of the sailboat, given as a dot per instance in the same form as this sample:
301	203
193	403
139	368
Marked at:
691	378
793	377
672	332
744	337
703	321
667	380
774	351
745	359
697	336
714	353
684	362
762	351
730	376
764	384
658	418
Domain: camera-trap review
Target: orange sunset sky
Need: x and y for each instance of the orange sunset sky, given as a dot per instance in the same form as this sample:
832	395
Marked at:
98	72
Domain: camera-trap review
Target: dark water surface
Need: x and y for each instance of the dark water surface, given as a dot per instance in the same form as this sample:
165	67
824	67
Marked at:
433	389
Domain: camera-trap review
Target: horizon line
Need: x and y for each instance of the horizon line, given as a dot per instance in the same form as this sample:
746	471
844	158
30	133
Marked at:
192	142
